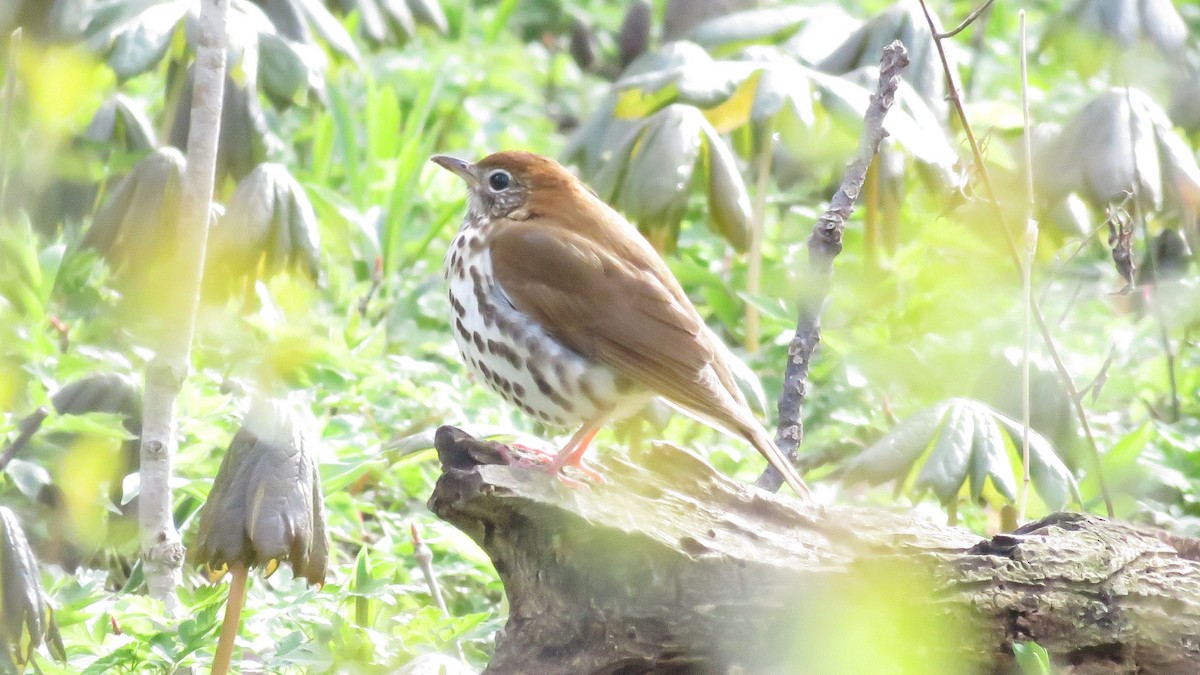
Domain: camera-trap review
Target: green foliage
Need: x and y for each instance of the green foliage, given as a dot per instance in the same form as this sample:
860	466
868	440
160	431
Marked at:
336	108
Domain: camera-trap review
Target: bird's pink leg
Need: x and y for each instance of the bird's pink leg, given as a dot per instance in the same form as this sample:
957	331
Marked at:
572	453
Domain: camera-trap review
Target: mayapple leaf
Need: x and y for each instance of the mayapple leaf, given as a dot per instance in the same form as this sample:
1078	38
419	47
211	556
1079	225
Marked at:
26	619
1124	134
266	503
729	212
655	189
134	36
104	393
122	120
989	458
269	226
948	464
964	443
903	21
729	33
287	69
1051	478
892	456
140	221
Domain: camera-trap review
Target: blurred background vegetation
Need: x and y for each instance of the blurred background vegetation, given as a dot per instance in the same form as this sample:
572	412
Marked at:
720	128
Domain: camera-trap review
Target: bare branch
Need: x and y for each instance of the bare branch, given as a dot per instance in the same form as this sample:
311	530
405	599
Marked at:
824	244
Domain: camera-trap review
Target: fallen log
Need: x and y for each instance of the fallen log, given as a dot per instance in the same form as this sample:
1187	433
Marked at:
670	566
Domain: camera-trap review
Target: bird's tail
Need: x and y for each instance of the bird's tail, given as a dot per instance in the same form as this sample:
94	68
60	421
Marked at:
765	445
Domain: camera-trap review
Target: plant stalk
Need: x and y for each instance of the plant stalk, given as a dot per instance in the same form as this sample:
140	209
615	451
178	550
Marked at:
1031	236
162	549
1043	328
233	619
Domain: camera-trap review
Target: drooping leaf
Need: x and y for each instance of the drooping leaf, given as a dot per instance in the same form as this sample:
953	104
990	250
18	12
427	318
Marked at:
105	393
139	223
965	445
122	120
946	469
266	504
891	457
1120	132
729	212
26	619
656	185
268	226
134	36
903	21
729	33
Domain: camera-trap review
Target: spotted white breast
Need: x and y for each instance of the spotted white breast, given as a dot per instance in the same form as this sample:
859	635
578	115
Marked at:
514	355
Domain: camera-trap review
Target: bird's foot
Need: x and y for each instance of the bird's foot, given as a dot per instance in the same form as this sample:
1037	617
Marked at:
557	469
526	456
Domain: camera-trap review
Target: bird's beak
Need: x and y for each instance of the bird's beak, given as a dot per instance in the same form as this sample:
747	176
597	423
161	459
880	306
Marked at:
462	168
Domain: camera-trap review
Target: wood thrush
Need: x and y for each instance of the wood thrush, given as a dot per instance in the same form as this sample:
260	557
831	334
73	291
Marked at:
565	310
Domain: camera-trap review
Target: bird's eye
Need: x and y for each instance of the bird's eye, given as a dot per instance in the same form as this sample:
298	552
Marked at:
499	180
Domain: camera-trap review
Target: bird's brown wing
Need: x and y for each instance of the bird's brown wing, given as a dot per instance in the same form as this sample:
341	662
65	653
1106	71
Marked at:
617	311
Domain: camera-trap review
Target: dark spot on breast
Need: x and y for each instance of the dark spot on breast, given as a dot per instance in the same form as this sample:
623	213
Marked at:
478	340
488	310
560	371
487	372
519	390
462	330
589	392
478	286
476	244
505	352
549	392
460	242
505	385
458	306
536	351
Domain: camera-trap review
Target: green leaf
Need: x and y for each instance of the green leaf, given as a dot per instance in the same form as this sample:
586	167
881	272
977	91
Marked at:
989	458
1051	478
1032	658
729	212
891	457
134	36
946	469
655	189
728	33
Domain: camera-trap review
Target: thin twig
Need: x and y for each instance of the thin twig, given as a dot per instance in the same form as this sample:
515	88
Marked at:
26	428
424	558
966	22
824	244
993	202
1031	235
233	619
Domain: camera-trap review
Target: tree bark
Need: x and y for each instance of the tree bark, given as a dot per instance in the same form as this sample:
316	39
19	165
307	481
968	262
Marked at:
162	550
677	568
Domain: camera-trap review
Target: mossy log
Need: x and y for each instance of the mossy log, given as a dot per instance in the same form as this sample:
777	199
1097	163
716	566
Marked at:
670	566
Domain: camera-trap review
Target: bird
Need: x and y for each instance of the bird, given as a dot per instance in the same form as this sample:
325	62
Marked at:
565	310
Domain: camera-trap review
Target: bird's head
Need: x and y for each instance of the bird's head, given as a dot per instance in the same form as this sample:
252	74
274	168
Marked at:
505	183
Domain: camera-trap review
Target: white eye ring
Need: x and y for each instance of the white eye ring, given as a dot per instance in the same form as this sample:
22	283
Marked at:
499	180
